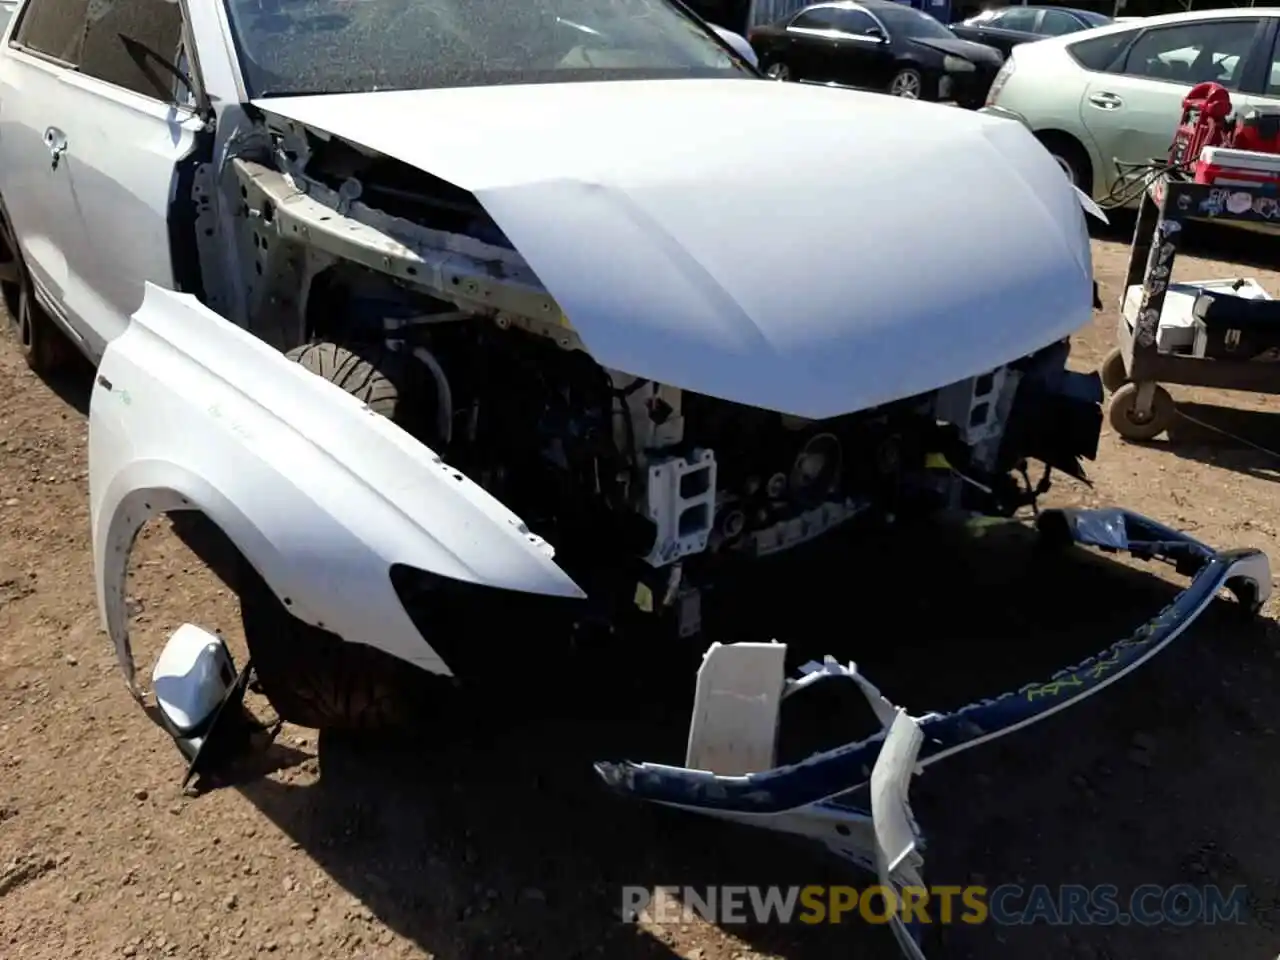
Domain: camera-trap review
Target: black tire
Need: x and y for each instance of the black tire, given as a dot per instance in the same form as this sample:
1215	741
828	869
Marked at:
390	382
1124	421
44	347
316	679
1112	371
313	677
1071	157
371	374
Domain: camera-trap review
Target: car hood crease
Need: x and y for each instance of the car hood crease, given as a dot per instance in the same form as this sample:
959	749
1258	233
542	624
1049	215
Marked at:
806	250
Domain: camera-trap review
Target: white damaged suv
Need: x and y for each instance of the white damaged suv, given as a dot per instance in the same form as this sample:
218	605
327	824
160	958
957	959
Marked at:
543	313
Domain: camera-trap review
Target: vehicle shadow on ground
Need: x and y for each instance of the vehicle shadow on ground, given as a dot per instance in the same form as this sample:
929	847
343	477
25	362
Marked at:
1243	440
488	834
504	845
73	383
1162	781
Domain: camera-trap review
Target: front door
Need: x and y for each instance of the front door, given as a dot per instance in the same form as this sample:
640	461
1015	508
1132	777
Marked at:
862	57
809	44
132	130
35	183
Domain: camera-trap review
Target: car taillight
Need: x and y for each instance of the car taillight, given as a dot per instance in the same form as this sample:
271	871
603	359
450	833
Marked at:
1001	79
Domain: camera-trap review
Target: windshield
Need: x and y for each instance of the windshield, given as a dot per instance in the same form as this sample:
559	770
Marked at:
907	22
299	47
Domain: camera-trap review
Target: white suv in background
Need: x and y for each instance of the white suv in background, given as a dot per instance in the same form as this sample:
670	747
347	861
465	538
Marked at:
1115	92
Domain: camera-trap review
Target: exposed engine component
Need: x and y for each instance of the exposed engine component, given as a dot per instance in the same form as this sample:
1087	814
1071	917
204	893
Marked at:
597	459
816	468
680	499
632	480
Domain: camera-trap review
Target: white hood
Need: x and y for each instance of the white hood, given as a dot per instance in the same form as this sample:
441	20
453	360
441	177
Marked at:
808	250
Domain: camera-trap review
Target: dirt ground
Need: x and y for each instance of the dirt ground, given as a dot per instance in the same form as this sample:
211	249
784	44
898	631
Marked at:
492	841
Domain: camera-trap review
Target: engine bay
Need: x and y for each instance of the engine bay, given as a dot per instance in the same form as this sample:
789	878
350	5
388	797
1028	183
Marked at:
647	492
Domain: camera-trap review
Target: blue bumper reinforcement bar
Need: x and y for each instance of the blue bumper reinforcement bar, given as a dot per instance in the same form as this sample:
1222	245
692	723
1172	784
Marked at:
853	798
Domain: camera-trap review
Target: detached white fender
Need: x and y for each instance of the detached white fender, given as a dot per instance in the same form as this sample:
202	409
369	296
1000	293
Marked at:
320	494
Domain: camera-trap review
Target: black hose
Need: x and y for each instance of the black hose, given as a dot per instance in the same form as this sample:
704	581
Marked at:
1134	180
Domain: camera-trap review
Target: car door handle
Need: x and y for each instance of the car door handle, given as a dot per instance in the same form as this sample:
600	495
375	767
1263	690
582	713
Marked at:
56	141
1105	101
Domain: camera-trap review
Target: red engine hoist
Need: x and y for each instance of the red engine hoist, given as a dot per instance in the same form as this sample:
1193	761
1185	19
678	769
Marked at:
1213	145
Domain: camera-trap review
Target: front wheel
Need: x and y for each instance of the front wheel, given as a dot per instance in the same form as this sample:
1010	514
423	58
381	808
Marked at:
778	71
908	84
312	677
317	679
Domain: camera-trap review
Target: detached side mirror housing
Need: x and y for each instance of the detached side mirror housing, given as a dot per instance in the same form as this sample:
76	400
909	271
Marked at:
200	700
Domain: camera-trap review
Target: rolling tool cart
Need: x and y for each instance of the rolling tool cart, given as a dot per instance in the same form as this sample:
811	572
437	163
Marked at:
1213	333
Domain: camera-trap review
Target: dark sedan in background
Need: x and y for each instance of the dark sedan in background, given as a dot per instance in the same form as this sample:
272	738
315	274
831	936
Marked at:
1006	27
877	45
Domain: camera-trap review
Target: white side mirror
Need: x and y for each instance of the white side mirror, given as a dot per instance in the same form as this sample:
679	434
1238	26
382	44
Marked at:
191	678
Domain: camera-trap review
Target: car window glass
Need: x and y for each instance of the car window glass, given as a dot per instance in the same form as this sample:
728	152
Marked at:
1193	53
133	44
902	21
1101	53
854	22
54	28
1016	19
1092	18
823	19
1273	77
1055	23
310	47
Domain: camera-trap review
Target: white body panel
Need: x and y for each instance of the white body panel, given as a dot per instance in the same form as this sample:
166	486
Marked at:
701	253
736	708
94	226
320	494
37	196
121	157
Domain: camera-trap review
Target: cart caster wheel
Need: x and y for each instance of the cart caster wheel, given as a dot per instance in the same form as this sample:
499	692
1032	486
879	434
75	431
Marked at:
1112	371
1125	421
